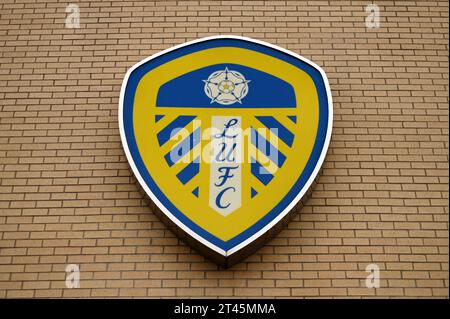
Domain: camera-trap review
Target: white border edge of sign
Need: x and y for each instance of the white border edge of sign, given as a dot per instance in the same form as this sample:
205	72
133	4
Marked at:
299	196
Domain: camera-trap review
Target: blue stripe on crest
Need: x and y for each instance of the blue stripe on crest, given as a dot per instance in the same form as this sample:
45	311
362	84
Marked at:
174	127
189	171
277	128
267	148
260	172
183	147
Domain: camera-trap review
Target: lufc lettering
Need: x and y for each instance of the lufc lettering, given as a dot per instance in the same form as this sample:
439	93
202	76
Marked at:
226	141
226	308
225	155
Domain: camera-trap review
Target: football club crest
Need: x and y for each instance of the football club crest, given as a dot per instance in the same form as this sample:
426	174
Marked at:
225	135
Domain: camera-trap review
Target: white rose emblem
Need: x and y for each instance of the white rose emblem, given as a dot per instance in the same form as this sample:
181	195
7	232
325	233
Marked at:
226	87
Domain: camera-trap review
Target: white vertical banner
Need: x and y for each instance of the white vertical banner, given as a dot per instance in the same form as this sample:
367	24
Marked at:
225	194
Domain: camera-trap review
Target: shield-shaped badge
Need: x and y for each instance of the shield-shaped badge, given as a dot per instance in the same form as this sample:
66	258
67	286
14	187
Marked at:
226	135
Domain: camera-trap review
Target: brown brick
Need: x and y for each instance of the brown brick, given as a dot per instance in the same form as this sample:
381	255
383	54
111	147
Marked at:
66	192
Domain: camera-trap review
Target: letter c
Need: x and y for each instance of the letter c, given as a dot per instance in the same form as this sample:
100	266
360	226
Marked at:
219	197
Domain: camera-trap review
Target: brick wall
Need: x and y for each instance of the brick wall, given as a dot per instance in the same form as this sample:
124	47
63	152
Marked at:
67	195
